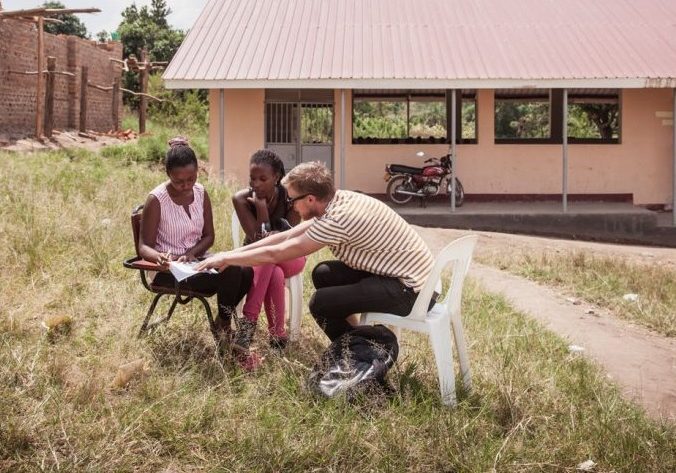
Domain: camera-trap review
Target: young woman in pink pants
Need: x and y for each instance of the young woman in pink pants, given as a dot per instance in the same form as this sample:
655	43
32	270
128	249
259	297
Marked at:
263	209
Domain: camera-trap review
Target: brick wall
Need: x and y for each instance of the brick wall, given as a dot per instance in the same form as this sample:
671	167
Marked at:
18	52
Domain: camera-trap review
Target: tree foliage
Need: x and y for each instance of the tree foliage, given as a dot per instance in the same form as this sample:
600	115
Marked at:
147	28
71	25
184	109
597	120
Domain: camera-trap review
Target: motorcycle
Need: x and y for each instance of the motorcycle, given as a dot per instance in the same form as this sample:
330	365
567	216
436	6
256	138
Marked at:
406	182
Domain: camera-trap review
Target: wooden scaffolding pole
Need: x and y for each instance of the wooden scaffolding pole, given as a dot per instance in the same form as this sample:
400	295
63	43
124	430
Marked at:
42	11
143	104
84	80
49	96
116	104
39	111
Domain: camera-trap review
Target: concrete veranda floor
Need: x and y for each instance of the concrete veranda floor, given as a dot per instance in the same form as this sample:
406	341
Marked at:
602	221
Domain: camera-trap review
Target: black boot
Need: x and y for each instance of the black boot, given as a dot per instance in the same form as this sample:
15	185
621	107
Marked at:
244	335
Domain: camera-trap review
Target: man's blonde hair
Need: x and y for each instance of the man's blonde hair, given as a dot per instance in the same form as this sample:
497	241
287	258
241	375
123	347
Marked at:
311	178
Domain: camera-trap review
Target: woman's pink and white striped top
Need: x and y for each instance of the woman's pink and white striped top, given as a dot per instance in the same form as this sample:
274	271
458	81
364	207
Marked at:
178	231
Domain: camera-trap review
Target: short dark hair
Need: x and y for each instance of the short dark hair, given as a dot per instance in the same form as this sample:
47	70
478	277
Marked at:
272	159
180	154
311	178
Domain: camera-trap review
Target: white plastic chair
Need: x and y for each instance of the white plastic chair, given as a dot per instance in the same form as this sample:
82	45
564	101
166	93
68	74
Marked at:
444	316
294	284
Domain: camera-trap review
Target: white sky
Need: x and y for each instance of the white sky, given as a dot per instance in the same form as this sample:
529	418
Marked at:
183	12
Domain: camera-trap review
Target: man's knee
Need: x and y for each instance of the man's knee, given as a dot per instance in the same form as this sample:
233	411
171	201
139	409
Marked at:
320	274
313	305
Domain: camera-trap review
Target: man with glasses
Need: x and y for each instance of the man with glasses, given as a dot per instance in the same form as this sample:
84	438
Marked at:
382	263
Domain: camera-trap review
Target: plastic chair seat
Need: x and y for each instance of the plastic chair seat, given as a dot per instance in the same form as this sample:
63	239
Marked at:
442	323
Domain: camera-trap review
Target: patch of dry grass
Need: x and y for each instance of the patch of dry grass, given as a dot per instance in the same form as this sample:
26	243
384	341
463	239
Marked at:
603	281
64	231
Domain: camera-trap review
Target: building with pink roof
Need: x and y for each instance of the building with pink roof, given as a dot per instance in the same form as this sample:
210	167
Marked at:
361	83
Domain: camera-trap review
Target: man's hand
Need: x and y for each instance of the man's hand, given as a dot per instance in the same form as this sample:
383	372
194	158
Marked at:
218	261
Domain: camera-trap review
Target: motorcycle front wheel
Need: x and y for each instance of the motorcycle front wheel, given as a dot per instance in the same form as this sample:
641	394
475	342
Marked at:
459	192
396	184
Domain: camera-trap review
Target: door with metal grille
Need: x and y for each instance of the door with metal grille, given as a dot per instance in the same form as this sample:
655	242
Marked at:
299	130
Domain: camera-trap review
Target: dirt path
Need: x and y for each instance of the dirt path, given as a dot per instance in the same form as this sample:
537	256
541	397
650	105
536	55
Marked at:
642	363
62	140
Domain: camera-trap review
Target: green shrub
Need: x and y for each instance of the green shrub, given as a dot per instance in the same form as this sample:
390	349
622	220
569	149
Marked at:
183	109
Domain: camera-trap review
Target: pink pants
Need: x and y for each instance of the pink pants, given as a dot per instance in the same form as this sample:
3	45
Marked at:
268	288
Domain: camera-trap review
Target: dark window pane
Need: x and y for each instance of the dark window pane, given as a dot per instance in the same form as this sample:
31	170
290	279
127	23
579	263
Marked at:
379	119
593	119
427	119
468	118
521	119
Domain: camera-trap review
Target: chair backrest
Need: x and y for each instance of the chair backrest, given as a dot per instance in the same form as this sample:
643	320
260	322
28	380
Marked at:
234	228
136	225
459	253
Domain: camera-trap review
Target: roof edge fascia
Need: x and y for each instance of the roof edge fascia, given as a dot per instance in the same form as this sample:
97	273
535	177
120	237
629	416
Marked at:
604	83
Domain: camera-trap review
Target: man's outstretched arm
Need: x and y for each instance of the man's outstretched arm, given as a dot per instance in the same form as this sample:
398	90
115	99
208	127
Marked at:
291	248
277	237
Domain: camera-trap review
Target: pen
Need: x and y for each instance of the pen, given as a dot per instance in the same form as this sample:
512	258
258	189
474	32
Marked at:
164	258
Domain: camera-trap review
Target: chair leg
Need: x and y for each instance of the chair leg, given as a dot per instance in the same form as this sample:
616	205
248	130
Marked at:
151	310
440	338
295	307
397	332
151	325
463	356
210	317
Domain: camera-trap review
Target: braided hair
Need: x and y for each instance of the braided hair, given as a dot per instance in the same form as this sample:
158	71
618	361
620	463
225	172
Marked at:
272	159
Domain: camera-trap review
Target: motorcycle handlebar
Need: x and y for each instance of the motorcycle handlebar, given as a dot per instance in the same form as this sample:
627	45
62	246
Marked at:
439	159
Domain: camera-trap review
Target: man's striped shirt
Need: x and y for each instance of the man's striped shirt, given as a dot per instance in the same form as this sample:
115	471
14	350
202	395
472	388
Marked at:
367	235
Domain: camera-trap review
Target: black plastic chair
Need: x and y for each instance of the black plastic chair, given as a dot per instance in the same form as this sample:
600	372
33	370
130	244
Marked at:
181	295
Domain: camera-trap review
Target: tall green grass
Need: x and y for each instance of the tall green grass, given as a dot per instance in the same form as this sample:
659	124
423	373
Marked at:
64	230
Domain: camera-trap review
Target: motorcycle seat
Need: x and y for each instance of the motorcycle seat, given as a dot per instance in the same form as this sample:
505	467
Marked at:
400	168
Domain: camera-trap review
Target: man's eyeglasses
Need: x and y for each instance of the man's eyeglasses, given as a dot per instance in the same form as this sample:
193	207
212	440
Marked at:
292	200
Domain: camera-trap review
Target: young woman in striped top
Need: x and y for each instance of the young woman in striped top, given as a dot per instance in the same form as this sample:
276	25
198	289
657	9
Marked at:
177	225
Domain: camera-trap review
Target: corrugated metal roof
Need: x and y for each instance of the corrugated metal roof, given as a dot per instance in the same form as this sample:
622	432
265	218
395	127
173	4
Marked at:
429	44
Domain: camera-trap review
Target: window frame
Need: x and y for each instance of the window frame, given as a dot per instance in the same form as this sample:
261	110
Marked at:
556	120
408	97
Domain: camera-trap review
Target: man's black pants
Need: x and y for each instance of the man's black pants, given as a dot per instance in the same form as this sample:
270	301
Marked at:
342	291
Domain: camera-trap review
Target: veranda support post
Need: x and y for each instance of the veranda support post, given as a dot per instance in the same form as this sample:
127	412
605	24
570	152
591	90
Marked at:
342	138
564	146
453	139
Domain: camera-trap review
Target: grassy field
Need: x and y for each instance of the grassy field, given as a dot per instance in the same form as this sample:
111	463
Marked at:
64	231
604	281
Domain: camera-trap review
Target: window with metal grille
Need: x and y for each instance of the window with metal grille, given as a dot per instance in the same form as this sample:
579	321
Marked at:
280	122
